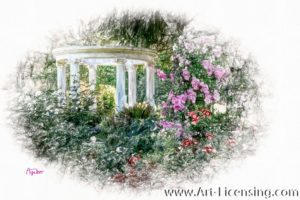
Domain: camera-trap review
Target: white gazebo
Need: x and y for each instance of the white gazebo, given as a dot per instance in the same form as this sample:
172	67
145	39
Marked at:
124	58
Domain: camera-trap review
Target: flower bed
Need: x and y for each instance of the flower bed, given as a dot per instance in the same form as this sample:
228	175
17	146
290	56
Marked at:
204	92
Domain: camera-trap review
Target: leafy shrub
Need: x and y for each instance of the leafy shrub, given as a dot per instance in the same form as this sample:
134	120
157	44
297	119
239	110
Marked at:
140	110
105	98
129	116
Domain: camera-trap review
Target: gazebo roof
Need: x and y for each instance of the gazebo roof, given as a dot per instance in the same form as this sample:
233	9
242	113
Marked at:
105	55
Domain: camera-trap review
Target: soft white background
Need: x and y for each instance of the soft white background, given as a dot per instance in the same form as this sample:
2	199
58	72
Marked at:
268	29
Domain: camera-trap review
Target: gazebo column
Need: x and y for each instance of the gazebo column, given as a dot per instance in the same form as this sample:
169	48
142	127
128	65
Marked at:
121	95
131	84
92	76
150	87
92	82
61	78
74	76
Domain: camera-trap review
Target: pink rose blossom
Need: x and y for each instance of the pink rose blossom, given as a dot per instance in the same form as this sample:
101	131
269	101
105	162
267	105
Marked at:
215	96
219	72
191	95
161	75
182	97
226	73
180	60
167	125
172	76
170	95
204	89
202	84
208	66
211	97
178	102
195	83
178	107
164	106
186	74
207	99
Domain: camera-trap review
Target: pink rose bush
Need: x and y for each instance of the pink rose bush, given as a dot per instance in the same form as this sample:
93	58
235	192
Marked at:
197	78
197	81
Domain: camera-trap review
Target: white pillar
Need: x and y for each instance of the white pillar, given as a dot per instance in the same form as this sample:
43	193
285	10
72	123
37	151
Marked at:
61	78
92	76
150	87
120	95
74	76
92	82
131	84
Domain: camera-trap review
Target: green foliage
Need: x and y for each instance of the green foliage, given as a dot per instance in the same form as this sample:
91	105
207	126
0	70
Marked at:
105	97
106	75
139	29
137	137
141	83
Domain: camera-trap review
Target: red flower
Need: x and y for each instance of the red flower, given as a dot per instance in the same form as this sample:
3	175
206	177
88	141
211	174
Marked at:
208	149
231	142
209	136
191	114
132	172
195	119
187	142
120	178
205	112
133	160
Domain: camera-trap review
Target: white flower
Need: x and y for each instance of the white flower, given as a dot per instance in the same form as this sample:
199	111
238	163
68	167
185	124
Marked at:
93	139
175	47
220	108
38	93
119	149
